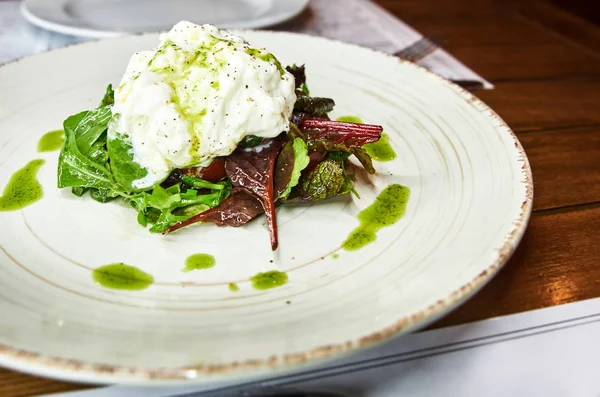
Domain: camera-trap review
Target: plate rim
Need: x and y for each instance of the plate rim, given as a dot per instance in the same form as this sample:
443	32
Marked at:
88	32
273	366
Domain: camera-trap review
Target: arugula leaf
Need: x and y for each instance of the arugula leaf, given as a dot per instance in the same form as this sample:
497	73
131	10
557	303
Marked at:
327	179
197	183
79	191
291	161
90	126
91	162
98	151
104	195
122	164
75	169
109	97
166	207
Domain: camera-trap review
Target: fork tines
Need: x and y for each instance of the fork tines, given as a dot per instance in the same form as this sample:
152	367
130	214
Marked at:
419	49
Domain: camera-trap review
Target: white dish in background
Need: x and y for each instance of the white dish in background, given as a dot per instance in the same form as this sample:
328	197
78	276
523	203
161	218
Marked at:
109	18
470	203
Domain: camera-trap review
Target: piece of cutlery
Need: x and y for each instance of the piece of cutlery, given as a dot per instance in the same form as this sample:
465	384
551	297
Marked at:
427	45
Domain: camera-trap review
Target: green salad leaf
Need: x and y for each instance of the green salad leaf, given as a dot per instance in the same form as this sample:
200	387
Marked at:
75	167
164	208
104	195
109	97
79	191
304	89
250	141
197	183
341	152
90	162
122	164
292	160
327	179
98	151
90	127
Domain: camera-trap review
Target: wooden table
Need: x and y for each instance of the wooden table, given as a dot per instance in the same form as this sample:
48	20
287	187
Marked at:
545	65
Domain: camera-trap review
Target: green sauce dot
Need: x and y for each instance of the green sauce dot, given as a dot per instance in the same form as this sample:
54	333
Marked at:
198	262
350	119
269	280
381	150
389	207
23	188
51	141
233	287
123	277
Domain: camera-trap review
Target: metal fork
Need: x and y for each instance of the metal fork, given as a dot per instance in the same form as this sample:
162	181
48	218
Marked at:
419	49
425	46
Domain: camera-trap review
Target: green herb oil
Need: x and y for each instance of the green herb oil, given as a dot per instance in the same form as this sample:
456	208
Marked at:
51	141
389	207
350	119
23	188
265	56
233	287
198	262
269	280
122	276
379	151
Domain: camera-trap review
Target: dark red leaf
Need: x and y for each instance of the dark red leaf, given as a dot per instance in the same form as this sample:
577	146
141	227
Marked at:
252	169
237	210
338	132
315	158
284	166
299	74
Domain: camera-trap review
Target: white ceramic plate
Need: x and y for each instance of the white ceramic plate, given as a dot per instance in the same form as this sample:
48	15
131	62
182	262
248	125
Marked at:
471	199
109	18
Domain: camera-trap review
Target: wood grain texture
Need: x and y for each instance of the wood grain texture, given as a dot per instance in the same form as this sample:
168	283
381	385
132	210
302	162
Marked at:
583	33
557	262
565	166
16	384
500	63
555	55
491	32
589	10
440	11
547	104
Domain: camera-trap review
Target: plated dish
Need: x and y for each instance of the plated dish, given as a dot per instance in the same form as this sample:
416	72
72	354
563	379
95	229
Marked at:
88	294
206	128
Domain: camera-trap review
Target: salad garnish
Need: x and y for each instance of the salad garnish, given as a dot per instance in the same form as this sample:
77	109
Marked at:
207	129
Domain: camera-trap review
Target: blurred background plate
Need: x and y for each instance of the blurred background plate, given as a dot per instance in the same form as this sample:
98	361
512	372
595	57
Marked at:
108	18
